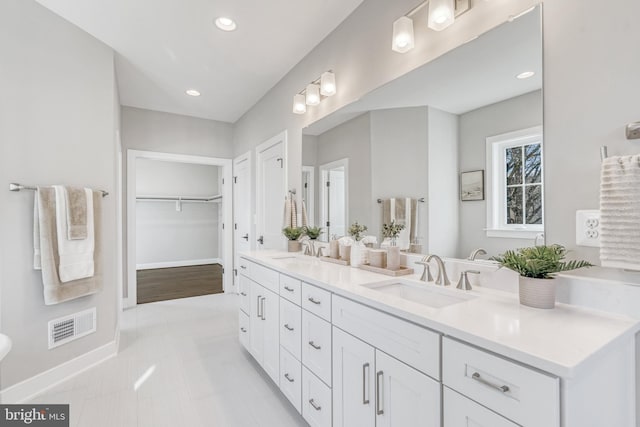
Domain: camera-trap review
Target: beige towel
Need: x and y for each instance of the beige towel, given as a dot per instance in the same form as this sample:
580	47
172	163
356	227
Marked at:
76	199
290	212
305	219
620	212
386	211
76	256
55	291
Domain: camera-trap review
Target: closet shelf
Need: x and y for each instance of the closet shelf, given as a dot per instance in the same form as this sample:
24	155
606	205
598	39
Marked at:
179	198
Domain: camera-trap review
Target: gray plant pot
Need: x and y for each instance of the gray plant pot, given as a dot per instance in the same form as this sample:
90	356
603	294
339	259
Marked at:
537	293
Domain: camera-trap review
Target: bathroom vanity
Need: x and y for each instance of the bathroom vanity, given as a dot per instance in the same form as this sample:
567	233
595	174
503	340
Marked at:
351	348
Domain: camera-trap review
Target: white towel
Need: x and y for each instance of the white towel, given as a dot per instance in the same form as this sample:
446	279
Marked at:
37	255
620	212
404	239
305	219
76	256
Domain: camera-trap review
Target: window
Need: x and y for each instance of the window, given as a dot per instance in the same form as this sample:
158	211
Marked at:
515	205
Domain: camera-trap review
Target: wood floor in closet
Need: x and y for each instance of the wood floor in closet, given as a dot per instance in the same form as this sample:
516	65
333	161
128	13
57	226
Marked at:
178	282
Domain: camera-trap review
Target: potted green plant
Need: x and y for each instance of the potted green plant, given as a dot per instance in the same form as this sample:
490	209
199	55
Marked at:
392	231
293	234
358	250
537	267
312	232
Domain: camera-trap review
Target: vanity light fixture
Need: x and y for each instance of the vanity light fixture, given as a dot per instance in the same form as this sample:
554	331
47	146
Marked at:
441	14
226	24
525	75
192	92
322	87
299	105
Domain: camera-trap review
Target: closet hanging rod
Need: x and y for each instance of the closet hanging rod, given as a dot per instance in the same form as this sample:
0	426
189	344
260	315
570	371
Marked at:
421	200
19	187
178	198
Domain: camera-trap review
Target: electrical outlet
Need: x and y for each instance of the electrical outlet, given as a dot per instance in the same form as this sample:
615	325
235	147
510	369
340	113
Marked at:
588	228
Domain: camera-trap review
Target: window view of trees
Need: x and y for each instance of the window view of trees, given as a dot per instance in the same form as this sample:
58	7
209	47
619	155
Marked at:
524	184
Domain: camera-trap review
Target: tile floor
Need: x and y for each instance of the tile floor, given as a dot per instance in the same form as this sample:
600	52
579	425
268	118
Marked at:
180	364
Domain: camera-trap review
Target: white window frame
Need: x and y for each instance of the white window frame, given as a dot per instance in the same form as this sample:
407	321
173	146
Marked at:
496	176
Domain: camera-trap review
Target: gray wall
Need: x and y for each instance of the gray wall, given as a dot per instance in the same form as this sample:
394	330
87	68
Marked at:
399	150
513	114
57	126
170	133
351	140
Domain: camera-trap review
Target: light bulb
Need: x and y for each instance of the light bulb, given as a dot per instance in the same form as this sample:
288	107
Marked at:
226	24
441	14
313	94
403	39
299	107
328	83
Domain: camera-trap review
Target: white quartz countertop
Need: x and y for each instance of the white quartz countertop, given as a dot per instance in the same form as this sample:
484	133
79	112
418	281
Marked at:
561	341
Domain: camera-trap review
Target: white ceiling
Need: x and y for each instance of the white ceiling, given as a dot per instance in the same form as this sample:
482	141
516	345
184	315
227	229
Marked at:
479	73
167	46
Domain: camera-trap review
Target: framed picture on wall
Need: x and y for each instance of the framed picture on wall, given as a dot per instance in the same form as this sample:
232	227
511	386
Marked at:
472	185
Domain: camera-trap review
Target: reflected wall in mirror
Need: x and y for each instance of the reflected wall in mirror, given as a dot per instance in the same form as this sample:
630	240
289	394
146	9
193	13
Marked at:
477	108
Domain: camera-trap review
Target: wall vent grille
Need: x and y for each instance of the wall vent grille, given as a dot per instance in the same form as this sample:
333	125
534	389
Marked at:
69	328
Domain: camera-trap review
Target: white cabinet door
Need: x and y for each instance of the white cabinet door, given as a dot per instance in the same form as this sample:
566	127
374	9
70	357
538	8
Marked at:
256	324
244	289
460	411
316	400
353	381
291	327
244	332
404	396
271	334
316	346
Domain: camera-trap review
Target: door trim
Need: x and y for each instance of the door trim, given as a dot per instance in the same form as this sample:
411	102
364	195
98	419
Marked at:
280	137
226	190
311	205
248	157
323	192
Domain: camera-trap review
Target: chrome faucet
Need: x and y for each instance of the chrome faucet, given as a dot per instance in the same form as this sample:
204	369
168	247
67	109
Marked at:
474	254
320	251
442	278
463	283
426	273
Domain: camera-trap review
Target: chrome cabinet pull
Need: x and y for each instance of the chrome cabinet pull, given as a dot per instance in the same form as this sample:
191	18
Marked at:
244	267
243	329
312	344
379	390
502	388
264	316
288	378
286	288
287	327
365	369
316	407
244	294
258	306
314	301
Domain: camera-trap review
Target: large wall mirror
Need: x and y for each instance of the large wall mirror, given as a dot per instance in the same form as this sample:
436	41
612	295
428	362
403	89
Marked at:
453	149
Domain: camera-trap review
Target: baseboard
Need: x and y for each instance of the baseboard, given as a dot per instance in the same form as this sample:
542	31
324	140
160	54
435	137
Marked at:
27	389
185	263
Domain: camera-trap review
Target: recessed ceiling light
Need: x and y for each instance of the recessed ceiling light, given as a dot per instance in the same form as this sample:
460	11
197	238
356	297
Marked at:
226	24
192	92
525	75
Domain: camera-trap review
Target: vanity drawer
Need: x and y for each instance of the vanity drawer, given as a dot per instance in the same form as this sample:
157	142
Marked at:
268	278
291	378
316	400
521	394
317	301
243	329
291	327
414	345
316	346
244	287
462	412
291	289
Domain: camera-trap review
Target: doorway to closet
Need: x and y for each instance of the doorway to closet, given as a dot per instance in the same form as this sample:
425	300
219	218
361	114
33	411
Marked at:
178	245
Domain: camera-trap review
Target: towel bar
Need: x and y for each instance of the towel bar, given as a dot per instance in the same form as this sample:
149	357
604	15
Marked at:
421	200
19	187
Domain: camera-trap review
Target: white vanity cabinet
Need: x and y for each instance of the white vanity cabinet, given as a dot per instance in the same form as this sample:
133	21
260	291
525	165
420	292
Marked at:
264	339
371	388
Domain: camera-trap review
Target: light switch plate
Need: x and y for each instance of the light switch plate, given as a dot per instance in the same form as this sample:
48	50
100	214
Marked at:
588	228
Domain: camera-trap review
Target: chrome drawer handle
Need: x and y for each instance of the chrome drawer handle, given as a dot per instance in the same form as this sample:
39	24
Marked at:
312	344
289	378
365	369
314	301
244	267
316	407
287	327
243	329
286	288
503	388
379	392
244	294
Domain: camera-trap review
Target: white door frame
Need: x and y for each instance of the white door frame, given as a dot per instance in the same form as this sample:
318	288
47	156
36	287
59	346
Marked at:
248	157
226	192
323	192
280	137
311	191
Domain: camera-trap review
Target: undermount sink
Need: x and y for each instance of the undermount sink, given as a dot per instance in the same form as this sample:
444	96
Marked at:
425	294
